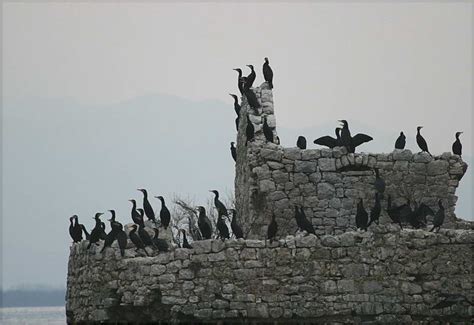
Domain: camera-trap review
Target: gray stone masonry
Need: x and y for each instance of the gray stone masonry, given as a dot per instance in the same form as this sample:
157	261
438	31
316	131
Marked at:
327	183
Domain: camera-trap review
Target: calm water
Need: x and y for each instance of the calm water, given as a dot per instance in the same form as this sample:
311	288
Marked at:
33	315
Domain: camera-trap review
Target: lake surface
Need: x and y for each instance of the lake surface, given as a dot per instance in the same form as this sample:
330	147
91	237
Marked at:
33	315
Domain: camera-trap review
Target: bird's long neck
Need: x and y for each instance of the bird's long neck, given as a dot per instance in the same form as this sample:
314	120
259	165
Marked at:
134	205
184	237
457	137
163	202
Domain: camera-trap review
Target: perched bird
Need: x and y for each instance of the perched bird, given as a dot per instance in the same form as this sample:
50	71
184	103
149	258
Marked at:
204	224
252	99
110	238
302	221
268	73
85	232
277	140
239	80
301	142
393	212
352	142
144	235
267	130
165	215
250	77
421	212
250	131
159	243
329	141
400	143
421	141
236	229
457	146
220	207
113	223
222	229
438	217
75	230
102	233
362	217
185	240
136	239
149	212
405	211
379	183
237	111
272	229
122	241
96	233
375	211
233	151
135	215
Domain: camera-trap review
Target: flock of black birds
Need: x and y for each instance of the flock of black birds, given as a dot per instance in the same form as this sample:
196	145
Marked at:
141	238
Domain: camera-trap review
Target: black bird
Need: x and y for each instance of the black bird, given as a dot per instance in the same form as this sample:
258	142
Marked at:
144	235
438	217
160	243
421	212
135	215
268	73
362	217
277	140
88	236
272	229
379	183
416	219
150	214
237	111
122	240
400	143
233	151
222	229
109	238
75	229
329	141
421	141
405	211
236	229
136	239
185	240
375	211
250	77
113	223
352	142
250	131
204	224
457	146
301	142
267	131
96	233
393	212
165	215
239	81
221	209
102	234
302	221
252	99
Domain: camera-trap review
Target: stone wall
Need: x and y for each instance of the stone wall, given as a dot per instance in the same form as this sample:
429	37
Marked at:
271	179
383	275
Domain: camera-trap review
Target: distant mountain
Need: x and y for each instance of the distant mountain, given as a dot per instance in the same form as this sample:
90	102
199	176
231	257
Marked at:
33	297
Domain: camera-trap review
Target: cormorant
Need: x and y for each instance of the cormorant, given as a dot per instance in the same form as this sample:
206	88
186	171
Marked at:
272	229
122	240
457	146
185	240
277	140
88	236
352	142
165	215
150	214
268	73
75	229
421	141
393	212
136	239
400	143
250	131
160	243
421	212
222	229
267	131
375	211
301	142
438	217
379	183
252	99
221	209
135	215
236	229
233	151
239	81
204	224
113	223
329	141
405	211
96	233
417	219
102	234
236	104
362	217
144	235
250	77
303	222
109	238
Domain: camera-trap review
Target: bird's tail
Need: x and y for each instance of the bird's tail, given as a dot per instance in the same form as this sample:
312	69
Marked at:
270	84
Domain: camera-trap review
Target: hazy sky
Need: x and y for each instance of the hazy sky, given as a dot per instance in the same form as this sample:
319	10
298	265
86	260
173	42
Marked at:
389	66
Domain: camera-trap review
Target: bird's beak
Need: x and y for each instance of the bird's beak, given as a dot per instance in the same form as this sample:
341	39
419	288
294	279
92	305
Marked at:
109	219
139	189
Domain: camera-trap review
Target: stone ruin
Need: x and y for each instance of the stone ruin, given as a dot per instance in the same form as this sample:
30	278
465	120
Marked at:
384	275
